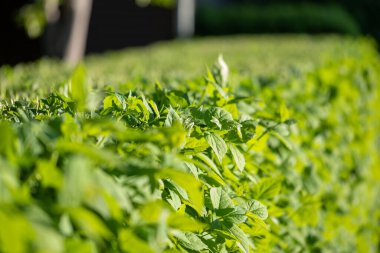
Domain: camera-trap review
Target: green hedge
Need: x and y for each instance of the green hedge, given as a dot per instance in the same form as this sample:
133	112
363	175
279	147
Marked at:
275	18
280	158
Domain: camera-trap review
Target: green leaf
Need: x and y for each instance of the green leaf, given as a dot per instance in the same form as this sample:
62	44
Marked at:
140	109
16	232
215	195
90	223
290	122
220	199
220	72
248	130
238	157
190	241
77	180
79	245
188	182
258	209
284	113
65	226
78	87
96	154
217	144
267	188
151	212
243	241
234	215
7	137
155	108
48	239
51	176
174	187
219	118
194	145
184	223
114	100
286	143
131	243
214	172
193	169
171	117
176	99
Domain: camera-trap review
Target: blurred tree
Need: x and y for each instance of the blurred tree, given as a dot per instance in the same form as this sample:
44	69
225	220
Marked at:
65	23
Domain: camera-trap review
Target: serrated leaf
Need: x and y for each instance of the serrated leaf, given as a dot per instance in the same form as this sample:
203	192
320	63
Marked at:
238	156
146	104
209	163
258	209
248	130
187	182
193	169
171	117
112	100
121	99
190	241
217	144
220	72
220	199
234	215
155	108
194	145
215	195
219	118
174	187
242	239
198	115
214	172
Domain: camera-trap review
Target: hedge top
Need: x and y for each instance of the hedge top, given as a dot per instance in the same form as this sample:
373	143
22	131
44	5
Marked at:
280	154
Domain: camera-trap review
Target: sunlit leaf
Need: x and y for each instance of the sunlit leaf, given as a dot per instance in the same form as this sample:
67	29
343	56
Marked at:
238	156
78	87
257	208
217	144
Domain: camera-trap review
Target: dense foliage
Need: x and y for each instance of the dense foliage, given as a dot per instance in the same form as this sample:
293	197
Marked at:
364	12
275	18
262	158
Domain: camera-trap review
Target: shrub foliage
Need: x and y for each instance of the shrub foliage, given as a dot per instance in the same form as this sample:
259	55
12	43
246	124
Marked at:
211	165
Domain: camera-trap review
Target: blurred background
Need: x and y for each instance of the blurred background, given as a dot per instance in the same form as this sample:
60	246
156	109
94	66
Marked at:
69	29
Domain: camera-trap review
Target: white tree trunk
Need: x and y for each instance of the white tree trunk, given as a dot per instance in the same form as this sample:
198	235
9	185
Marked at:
76	45
185	18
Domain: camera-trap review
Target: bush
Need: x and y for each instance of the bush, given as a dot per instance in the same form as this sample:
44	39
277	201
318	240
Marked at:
232	162
275	18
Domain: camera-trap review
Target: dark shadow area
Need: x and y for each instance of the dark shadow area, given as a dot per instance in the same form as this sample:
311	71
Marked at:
116	24
351	17
15	45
